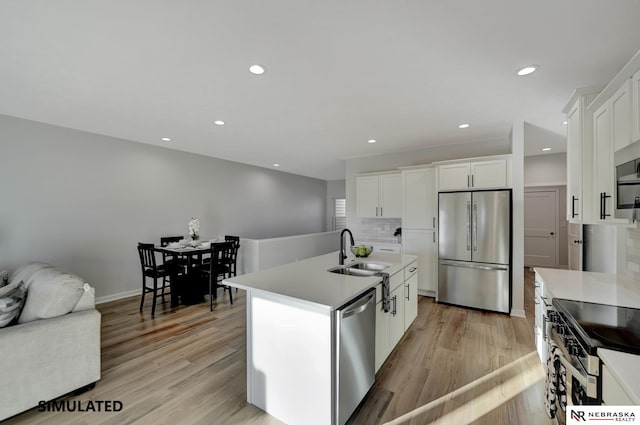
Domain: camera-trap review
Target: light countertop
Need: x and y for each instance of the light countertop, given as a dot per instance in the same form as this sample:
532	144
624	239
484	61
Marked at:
309	281
626	369
603	288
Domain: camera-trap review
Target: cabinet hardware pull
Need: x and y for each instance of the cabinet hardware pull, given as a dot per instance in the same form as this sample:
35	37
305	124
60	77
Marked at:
468	180
604	214
573	206
376	211
394	299
381	212
413	269
434	222
408	291
434	237
472	185
386	249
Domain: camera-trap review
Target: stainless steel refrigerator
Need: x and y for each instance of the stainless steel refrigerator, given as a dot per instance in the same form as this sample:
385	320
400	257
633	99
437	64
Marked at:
474	250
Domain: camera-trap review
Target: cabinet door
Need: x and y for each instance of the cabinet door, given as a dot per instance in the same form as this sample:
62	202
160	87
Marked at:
410	300
603	161
486	174
635	108
415	200
621	117
613	393
367	196
574	164
391	196
382	335
454	176
396	322
422	243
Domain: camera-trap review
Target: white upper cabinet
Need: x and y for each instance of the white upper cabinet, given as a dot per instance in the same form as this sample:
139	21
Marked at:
454	176
475	174
379	196
635	109
620	106
391	195
611	130
603	162
488	174
419	199
580	156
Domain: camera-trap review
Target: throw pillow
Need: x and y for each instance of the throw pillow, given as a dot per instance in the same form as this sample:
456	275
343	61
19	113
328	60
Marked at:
11	302
24	273
51	297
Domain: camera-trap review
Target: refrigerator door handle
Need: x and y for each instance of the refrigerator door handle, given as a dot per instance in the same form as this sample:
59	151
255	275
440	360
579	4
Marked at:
475	225
474	265
468	225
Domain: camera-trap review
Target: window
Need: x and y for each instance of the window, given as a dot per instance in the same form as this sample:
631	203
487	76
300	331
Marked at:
339	213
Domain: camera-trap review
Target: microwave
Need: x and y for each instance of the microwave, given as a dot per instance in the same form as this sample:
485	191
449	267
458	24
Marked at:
627	188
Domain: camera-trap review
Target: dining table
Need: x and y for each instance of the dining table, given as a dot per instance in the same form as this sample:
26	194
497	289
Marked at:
193	253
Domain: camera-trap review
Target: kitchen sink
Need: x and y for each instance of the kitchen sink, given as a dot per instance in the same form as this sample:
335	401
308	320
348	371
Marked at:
368	266
349	271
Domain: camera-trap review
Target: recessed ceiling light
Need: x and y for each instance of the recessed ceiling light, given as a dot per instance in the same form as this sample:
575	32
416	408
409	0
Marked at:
218	122
565	123
256	69
165	139
546	149
372	141
465	125
527	70
276	165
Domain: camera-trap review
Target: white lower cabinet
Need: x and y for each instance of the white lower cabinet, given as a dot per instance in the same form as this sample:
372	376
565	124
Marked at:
422	243
612	392
411	300
396	320
382	335
391	325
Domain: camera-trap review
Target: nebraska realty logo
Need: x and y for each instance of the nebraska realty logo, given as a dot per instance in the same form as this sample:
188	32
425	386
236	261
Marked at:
80	406
591	414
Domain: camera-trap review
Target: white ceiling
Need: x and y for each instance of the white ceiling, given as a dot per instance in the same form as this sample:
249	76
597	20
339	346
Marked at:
338	72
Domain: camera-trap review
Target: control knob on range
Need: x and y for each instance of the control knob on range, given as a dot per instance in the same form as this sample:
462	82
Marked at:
574	348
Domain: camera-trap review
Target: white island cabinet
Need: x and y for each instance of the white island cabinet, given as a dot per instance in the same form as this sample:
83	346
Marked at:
290	325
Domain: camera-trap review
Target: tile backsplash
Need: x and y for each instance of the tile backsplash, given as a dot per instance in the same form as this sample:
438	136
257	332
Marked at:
379	228
632	260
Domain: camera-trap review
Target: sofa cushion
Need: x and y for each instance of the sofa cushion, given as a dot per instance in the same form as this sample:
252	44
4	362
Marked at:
11	302
51	295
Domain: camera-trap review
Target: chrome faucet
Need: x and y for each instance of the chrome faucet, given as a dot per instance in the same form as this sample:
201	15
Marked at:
342	255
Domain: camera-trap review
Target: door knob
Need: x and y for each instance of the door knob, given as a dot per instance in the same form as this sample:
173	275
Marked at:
552	233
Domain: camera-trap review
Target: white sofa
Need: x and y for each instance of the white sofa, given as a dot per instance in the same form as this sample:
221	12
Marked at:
52	352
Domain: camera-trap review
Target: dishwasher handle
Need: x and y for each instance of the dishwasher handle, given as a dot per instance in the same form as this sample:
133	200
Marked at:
360	305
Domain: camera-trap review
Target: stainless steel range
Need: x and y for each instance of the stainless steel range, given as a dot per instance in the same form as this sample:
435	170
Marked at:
580	329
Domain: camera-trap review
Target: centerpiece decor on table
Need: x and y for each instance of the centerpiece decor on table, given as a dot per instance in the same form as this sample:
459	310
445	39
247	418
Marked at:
194	229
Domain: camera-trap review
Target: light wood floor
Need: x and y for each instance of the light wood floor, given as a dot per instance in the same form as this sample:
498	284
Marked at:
187	366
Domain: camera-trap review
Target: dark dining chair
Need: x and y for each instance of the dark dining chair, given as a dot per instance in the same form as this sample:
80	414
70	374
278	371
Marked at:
233	264
150	269
172	259
218	267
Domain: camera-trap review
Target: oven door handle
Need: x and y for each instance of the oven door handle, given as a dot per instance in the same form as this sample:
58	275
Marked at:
588	382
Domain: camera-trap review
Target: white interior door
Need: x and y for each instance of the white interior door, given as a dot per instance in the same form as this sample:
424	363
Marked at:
540	228
575	246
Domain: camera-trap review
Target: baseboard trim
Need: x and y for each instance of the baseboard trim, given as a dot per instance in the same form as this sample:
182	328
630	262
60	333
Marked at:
518	312
113	297
424	293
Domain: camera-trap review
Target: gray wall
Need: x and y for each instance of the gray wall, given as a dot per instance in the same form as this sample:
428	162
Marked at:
83	201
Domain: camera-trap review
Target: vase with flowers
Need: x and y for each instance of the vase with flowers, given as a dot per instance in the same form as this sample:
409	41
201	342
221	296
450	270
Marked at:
194	229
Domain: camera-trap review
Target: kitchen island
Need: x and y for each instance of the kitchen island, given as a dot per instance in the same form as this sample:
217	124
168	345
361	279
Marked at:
290	331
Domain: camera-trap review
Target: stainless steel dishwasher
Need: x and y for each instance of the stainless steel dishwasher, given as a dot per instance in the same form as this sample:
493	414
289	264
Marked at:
354	355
